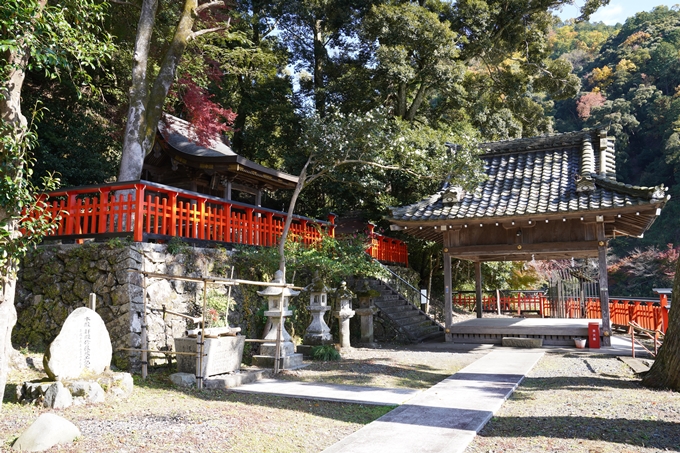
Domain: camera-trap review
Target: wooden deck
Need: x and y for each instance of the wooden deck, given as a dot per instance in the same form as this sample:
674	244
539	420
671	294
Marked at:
554	332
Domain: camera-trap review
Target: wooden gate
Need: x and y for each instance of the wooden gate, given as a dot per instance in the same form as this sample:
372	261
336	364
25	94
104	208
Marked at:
570	291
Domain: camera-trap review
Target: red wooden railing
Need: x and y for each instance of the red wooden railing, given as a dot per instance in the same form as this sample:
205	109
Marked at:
518	302
386	249
649	314
109	210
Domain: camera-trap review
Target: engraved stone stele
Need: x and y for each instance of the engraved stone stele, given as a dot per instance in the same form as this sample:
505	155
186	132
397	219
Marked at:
83	347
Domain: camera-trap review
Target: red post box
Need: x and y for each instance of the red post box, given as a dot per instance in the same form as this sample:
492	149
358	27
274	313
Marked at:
594	335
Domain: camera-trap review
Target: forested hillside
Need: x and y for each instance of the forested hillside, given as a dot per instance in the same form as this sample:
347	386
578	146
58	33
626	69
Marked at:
434	71
630	79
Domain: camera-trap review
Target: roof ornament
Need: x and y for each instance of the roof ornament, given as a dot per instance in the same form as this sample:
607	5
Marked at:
453	195
584	181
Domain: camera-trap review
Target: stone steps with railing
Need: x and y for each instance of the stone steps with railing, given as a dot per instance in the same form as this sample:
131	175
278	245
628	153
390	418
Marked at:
406	317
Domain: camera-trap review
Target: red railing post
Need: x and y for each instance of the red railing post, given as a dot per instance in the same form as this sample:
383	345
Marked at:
138	229
663	299
331	227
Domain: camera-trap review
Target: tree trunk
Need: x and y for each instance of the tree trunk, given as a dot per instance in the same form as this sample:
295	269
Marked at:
319	59
289	216
8	317
133	154
146	106
14	123
665	373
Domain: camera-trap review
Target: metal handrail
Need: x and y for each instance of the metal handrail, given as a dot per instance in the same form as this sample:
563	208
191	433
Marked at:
436	304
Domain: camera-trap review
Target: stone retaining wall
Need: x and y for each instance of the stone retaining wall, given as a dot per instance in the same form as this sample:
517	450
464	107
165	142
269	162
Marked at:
56	279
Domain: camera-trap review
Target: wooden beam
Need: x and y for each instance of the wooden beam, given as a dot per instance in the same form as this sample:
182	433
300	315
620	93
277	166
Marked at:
525	249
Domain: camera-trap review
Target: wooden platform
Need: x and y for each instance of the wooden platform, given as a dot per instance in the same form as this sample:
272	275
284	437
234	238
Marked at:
554	332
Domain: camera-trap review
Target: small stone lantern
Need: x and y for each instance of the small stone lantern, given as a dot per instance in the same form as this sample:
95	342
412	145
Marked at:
318	332
267	356
366	311
345	312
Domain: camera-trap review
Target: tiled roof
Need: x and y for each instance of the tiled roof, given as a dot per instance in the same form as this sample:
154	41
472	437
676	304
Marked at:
555	174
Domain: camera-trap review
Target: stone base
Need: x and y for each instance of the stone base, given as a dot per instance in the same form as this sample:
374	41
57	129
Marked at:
222	355
289	362
514	342
227	381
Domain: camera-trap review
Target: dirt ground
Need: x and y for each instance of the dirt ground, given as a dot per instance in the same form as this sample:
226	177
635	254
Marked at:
570	402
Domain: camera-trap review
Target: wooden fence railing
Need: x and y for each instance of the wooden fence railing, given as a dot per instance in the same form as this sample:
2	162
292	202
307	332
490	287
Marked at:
164	212
386	249
648	313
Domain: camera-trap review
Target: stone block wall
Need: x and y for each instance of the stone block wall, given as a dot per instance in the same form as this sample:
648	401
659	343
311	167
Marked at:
54	280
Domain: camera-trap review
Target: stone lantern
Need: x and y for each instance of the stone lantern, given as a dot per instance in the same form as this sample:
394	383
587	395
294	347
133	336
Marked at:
267	356
344	313
366	311
318	332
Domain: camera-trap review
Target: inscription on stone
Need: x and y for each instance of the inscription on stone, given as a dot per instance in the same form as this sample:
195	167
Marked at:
82	346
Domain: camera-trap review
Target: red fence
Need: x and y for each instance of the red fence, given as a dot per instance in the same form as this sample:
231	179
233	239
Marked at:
112	210
650	314
387	249
519	302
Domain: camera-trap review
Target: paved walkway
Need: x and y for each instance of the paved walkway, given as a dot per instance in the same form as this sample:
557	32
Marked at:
447	416
443	418
330	392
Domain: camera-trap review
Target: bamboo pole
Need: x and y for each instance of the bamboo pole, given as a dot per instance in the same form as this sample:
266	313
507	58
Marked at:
277	354
217	280
153	351
145	345
200	341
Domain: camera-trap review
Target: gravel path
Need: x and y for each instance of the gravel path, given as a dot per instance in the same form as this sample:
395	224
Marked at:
583	403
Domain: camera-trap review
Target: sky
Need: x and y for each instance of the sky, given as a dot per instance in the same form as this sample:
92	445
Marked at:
617	11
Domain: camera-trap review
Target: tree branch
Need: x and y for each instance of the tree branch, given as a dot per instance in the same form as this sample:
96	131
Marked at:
205	31
121	2
205	6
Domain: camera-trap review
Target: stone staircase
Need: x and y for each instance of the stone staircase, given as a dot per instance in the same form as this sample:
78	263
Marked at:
413	322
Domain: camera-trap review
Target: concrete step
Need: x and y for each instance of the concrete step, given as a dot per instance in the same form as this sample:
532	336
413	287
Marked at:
402	316
396	308
430	333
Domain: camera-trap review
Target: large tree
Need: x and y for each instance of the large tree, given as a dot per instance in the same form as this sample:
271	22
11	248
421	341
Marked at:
149	89
665	373
63	39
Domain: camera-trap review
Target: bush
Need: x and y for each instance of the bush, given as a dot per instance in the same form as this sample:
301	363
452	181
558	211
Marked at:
325	353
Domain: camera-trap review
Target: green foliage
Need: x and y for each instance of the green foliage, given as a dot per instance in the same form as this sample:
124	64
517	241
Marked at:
218	305
18	201
176	246
325	353
62	37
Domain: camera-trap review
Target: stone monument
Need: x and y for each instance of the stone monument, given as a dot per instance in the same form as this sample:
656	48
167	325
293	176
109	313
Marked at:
82	348
344	313
77	363
288	357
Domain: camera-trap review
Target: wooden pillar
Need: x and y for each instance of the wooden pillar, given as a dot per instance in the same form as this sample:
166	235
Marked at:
227	190
448	303
478	287
604	285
